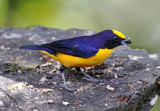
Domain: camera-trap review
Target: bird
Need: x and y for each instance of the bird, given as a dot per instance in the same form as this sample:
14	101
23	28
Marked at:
82	51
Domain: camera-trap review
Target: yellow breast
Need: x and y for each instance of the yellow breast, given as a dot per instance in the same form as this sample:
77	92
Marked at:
73	61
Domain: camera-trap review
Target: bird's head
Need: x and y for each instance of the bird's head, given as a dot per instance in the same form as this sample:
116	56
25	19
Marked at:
114	38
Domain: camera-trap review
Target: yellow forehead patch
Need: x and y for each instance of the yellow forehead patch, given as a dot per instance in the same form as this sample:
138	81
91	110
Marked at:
119	34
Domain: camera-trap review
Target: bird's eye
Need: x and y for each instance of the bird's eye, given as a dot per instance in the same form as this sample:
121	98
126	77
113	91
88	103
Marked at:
116	38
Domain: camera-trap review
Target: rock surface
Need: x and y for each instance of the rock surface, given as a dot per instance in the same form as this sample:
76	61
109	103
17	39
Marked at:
129	76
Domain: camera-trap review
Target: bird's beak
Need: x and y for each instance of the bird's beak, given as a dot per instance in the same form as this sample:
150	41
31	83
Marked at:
126	41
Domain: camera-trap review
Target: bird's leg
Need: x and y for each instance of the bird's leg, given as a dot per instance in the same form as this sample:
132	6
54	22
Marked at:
63	70
88	77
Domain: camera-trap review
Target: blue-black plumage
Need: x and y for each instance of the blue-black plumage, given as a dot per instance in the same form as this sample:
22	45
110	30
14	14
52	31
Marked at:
83	46
37	47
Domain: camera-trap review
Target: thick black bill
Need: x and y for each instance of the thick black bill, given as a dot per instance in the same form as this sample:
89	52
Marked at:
126	41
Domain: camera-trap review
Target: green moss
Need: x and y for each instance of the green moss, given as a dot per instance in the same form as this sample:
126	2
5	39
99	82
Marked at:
10	68
20	64
30	67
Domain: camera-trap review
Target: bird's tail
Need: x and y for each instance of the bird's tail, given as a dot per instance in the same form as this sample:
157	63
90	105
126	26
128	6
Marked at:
32	47
38	47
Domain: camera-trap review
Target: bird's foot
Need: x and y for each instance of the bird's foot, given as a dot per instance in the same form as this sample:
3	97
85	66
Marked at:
90	78
64	83
69	88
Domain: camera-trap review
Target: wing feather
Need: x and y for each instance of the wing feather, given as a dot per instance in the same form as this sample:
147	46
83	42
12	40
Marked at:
74	46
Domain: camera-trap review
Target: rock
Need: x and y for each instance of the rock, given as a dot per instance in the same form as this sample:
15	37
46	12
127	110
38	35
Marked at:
131	72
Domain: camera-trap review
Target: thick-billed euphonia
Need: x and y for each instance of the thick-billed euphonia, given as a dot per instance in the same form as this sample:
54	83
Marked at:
83	51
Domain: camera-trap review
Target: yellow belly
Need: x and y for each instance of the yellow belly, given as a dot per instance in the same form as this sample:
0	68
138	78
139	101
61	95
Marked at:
73	61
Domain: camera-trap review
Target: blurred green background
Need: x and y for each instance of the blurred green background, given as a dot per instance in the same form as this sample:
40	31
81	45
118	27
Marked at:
137	19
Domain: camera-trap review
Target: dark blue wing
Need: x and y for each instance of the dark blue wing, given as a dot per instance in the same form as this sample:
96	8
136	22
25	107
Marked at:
79	46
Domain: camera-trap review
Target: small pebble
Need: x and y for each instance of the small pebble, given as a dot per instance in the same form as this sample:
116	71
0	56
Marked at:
115	75
155	73
65	103
50	101
35	110
30	86
46	64
47	90
101	84
106	104
110	88
1	104
19	71
158	67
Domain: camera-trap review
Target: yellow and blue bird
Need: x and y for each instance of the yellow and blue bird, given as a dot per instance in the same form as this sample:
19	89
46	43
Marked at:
83	51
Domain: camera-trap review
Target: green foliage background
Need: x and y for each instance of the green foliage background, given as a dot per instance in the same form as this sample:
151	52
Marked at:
138	19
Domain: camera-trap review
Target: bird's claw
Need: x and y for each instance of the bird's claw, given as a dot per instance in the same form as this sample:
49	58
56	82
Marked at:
93	79
69	88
